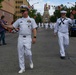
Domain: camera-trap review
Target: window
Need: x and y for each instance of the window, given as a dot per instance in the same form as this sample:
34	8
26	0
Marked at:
19	2
17	6
17	11
16	1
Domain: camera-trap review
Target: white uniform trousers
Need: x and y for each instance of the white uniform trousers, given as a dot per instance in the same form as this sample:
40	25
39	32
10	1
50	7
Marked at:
39	25
51	26
42	25
63	42
46	26
24	48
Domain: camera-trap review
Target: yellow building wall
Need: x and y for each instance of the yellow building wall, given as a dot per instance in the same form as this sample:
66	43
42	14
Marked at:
8	9
8	5
18	3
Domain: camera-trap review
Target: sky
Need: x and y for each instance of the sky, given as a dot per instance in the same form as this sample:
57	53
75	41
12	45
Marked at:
40	5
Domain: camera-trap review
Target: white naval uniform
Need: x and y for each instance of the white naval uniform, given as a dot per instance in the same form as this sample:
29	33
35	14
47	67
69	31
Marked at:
42	25
46	25
63	33
54	25
39	25
25	26
51	25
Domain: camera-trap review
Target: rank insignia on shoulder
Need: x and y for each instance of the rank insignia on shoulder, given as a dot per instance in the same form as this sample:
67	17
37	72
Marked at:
29	21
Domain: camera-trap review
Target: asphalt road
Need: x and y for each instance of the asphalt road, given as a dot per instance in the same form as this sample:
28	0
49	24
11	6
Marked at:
45	56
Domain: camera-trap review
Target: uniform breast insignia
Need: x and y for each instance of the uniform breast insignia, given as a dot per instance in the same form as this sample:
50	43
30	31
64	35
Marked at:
29	21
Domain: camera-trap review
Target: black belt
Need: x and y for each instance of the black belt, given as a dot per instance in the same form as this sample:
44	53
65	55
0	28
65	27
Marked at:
24	36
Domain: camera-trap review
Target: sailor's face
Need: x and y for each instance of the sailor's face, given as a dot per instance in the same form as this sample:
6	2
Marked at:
25	13
63	15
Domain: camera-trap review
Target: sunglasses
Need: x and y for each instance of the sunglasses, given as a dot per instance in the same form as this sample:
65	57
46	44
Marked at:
23	10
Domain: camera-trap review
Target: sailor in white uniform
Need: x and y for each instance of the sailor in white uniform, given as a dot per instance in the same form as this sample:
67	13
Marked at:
42	25
61	28
51	25
39	25
26	26
46	25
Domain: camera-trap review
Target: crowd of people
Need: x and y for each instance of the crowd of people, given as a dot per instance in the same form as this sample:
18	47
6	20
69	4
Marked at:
46	25
2	31
51	25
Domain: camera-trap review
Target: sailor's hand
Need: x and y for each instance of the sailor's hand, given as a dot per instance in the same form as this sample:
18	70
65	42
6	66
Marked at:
5	26
34	40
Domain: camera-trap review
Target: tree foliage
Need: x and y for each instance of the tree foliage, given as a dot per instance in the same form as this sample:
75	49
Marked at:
32	13
0	3
57	12
53	18
38	18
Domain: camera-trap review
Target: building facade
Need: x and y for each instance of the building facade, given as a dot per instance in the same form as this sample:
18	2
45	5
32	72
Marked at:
18	3
46	14
11	9
8	10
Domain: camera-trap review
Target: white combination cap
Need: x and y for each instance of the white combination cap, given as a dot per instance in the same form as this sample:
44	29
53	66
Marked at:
63	12
23	7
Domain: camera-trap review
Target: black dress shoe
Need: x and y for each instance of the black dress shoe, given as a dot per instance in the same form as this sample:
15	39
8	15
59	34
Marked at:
62	57
4	44
0	44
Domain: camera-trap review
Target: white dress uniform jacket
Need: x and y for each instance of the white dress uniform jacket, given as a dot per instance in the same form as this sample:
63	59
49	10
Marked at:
62	26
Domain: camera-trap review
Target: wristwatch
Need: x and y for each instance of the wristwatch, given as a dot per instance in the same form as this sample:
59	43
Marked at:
34	36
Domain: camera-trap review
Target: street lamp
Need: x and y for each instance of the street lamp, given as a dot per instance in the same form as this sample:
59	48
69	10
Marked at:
34	4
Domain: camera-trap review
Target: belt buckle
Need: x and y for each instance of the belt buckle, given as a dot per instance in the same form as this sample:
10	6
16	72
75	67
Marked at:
24	36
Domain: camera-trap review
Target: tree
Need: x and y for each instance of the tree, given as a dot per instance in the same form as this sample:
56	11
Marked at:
0	3
57	12
38	18
53	18
32	13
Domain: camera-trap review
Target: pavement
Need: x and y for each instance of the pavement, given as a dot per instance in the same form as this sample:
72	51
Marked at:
45	56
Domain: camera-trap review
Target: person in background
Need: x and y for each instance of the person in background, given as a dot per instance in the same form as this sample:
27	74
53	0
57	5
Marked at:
72	18
46	25
61	28
39	25
2	31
